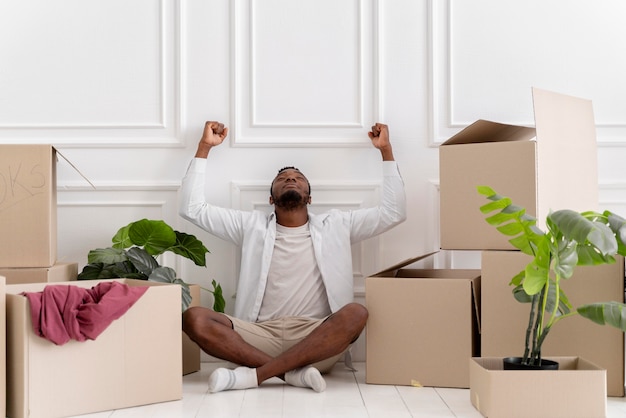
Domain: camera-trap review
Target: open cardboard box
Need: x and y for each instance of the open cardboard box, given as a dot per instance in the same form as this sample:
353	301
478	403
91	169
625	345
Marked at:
577	389
526	164
135	361
423	325
504	320
59	272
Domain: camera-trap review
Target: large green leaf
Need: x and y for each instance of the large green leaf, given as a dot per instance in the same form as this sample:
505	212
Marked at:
520	295
566	260
190	247
155	237
143	262
575	226
219	304
536	278
611	313
106	255
99	271
168	275
121	239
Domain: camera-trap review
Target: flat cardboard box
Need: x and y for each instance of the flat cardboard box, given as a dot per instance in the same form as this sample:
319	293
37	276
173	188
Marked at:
576	390
423	325
3	345
60	272
526	164
135	361
28	206
504	320
191	351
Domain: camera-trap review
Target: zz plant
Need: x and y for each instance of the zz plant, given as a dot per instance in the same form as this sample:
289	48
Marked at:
134	253
571	239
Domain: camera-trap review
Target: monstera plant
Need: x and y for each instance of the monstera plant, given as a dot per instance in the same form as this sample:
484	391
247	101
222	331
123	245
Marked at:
571	239
134	255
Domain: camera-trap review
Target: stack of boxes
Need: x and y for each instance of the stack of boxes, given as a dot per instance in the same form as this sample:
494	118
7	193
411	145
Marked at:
28	247
28	221
550	167
116	370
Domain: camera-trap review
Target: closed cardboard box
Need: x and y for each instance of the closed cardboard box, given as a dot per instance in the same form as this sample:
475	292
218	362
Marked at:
60	272
576	390
135	361
526	164
504	320
423	325
28	206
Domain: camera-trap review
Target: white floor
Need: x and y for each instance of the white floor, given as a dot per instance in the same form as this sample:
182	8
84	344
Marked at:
346	395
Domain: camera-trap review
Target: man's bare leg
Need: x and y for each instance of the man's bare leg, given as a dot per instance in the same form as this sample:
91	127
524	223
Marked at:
214	334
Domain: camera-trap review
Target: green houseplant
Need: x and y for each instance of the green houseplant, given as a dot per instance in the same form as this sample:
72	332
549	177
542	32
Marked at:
571	239
134	253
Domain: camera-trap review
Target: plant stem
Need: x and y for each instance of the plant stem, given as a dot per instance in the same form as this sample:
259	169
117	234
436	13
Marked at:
531	320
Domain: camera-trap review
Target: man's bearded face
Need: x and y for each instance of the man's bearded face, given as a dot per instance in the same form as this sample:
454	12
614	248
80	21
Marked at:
290	190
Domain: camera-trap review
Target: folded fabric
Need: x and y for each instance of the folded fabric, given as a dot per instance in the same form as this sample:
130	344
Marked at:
63	312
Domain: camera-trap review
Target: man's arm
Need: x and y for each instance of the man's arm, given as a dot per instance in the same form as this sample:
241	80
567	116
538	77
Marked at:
213	135
380	139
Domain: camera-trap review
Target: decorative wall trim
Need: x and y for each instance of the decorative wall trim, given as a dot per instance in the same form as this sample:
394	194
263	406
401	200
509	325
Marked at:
164	132
250	130
442	123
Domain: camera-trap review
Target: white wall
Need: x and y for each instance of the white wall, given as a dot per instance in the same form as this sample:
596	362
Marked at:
123	89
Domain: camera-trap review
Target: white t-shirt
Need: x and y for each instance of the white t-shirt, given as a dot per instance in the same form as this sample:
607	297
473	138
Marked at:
294	284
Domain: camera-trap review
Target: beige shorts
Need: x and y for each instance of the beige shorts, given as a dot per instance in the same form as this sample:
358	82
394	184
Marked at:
277	336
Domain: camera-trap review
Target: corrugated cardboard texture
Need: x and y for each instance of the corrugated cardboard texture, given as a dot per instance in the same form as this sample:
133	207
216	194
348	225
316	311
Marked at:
191	351
576	390
422	326
531	173
135	361
28	206
504	320
60	272
3	370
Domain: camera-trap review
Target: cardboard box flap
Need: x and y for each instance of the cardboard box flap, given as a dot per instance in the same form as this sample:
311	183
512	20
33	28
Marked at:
401	264
565	132
487	131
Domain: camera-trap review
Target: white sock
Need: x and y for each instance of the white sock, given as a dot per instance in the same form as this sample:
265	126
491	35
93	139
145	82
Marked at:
306	377
226	379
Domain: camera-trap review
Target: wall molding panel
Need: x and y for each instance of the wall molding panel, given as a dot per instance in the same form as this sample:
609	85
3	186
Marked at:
108	80
328	64
88	218
486	70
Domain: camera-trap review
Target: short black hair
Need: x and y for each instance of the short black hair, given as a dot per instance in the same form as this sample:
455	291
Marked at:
290	167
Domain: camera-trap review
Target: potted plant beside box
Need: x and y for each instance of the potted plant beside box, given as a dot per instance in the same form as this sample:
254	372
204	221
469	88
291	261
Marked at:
571	239
134	253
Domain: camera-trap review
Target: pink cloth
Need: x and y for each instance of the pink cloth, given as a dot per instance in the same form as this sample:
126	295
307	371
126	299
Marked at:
63	312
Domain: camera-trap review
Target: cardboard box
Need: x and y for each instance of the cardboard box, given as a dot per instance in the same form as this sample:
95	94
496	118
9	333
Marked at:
577	389
423	325
135	361
28	206
517	162
3	353
60	272
504	320
191	351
